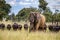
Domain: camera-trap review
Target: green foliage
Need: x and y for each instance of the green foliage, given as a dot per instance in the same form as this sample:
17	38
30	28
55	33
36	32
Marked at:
48	15
56	16
13	17
4	8
42	4
24	13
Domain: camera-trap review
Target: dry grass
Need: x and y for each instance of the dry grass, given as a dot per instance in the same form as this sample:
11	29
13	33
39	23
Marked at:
25	35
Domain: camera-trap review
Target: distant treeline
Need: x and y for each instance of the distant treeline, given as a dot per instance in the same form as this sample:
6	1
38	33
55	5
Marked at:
23	14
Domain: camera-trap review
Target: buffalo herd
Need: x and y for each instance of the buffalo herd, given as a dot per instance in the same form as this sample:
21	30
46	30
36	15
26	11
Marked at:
15	26
54	28
37	22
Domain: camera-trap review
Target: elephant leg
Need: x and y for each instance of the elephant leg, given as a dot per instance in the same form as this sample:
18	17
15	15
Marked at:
37	26
31	27
44	27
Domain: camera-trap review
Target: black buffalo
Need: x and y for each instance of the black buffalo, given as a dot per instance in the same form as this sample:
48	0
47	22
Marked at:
19	27
15	26
45	28
54	28
2	26
26	26
8	26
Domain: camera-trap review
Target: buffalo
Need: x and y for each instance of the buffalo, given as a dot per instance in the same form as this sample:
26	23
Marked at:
25	26
19	27
45	28
2	26
15	26
54	28
8	26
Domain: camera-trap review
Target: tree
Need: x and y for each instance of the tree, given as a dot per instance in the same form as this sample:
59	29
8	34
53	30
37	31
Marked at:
58	17
46	10
24	13
13	17
4	8
48	14
42	4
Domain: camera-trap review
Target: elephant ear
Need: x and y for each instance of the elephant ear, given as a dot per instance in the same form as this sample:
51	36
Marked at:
31	17
37	16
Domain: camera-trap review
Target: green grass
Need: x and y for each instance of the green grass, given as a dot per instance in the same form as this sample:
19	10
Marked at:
25	35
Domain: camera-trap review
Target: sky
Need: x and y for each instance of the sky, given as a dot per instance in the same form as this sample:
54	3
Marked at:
17	5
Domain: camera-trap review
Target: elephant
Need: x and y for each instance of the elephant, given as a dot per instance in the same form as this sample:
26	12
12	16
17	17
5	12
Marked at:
37	20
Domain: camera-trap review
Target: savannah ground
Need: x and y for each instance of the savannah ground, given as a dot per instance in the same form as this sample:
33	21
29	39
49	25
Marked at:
25	35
